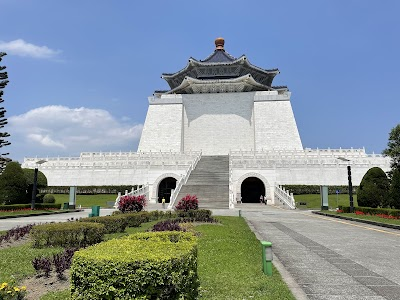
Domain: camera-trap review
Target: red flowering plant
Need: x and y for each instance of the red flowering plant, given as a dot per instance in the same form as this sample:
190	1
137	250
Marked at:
187	203
130	203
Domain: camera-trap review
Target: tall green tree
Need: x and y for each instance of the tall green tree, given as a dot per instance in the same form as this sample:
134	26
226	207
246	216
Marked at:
394	191
374	189
41	183
393	149
3	120
12	184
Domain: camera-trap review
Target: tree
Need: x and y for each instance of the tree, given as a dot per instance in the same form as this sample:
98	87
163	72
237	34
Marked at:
12	184
41	183
3	120
394	190
393	149
374	189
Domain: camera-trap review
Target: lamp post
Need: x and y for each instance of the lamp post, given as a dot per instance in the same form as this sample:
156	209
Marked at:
42	161
350	183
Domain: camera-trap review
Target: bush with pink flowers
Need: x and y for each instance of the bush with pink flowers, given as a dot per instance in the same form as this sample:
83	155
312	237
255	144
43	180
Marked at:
130	203
189	202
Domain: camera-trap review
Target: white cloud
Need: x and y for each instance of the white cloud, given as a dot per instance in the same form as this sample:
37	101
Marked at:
59	130
21	48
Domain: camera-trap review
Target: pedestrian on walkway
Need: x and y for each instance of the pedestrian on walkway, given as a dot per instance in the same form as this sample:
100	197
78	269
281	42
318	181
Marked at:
261	199
163	202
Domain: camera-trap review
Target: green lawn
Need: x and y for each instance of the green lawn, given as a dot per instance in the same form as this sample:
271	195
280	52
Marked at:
87	200
314	200
364	217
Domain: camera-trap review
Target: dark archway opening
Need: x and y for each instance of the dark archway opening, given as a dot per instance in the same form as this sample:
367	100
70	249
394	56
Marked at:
165	187
251	190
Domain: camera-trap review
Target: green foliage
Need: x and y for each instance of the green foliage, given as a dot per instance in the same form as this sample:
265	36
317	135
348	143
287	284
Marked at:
112	224
14	207
160	265
201	215
47	206
393	148
3	121
88	190
48	198
69	234
373	211
135	219
394	190
29	175
299	189
12	184
374	189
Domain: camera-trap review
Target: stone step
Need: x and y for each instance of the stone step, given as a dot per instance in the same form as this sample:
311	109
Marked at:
209	181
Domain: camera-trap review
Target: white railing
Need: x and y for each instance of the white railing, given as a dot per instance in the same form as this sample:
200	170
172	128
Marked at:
120	160
182	181
284	198
231	193
143	190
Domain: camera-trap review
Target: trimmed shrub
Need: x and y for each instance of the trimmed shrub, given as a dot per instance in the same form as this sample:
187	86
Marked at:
13	184
374	189
168	225
130	203
112	224
157	265
200	215
47	205
394	191
49	198
135	219
188	202
15	207
69	234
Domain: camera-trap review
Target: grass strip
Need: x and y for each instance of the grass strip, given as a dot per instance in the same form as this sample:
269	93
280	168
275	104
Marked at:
314	200
229	264
87	200
26	212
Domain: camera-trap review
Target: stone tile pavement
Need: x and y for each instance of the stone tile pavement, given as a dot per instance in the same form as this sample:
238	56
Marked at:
328	259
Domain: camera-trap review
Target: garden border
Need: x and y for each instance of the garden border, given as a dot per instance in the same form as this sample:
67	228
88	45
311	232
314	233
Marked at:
392	226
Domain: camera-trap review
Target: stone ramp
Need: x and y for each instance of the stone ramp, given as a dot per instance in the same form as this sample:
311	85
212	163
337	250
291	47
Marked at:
209	181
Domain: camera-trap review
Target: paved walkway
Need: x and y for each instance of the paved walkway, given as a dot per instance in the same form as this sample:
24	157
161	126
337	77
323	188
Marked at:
326	258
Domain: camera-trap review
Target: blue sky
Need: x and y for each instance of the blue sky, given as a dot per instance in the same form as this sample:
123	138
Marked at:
80	71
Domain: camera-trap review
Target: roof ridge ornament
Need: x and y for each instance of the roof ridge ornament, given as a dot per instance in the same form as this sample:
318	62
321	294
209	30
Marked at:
219	43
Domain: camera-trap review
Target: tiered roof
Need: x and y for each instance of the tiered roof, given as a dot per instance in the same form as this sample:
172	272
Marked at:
220	72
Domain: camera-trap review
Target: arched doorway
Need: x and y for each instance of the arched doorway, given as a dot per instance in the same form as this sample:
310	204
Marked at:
165	187
251	190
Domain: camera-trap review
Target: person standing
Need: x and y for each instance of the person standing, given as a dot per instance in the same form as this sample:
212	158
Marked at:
163	202
261	199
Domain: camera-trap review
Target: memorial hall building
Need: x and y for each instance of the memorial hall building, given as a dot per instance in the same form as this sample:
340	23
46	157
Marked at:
222	131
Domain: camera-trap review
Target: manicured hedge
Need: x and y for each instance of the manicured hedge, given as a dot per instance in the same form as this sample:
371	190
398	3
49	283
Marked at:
48	206
196	215
91	190
112	224
67	234
159	265
373	211
28	206
315	189
15	206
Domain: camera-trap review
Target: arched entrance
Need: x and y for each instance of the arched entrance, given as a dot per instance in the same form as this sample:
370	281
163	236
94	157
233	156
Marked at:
165	187
251	190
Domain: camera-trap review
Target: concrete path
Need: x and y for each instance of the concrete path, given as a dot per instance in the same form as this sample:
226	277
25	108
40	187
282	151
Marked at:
6	224
326	258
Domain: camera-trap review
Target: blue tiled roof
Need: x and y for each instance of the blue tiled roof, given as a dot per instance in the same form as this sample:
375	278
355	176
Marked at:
219	56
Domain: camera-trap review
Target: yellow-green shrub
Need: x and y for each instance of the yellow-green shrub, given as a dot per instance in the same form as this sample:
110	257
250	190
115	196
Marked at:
151	265
112	224
69	234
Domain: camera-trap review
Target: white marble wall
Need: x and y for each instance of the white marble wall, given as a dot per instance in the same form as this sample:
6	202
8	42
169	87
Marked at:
216	123
162	129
